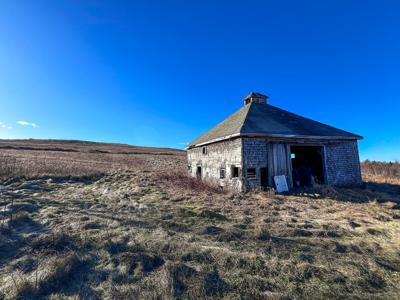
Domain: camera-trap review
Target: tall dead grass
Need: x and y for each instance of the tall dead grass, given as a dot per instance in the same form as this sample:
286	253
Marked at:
382	172
28	163
391	169
181	180
36	166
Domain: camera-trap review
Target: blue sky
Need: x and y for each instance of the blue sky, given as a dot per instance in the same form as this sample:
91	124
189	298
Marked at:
160	73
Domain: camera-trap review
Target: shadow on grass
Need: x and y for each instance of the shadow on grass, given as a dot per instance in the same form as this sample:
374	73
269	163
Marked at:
67	275
370	191
14	238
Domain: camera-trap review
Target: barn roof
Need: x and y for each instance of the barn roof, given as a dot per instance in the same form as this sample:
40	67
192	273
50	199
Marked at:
254	94
264	120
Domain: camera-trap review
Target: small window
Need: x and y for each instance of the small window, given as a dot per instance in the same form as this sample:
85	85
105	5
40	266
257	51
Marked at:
235	172
204	150
222	173
251	173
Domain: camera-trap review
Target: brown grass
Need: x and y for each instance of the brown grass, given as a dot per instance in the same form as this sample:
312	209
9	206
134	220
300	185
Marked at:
36	158
374	171
179	180
142	229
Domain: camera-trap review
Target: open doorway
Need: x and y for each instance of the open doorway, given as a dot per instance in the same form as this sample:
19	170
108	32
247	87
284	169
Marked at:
198	172
264	177
307	165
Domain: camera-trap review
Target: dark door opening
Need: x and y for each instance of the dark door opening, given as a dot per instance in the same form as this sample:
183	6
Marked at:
307	165
198	172
264	177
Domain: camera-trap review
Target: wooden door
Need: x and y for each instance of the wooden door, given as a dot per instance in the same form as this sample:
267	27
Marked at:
279	162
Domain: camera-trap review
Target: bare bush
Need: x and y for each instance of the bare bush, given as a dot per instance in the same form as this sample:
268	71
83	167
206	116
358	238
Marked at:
180	179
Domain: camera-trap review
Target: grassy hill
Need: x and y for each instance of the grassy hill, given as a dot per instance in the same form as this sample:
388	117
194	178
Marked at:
95	220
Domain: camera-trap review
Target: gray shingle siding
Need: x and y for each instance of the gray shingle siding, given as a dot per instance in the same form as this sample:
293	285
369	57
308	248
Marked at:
255	155
342	164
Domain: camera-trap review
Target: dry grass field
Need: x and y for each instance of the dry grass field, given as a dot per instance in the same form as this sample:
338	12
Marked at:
381	172
88	220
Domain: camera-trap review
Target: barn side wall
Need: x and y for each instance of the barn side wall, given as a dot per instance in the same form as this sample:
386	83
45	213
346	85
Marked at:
342	164
222	155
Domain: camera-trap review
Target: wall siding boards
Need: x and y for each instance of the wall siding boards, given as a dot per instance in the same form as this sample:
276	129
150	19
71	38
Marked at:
278	162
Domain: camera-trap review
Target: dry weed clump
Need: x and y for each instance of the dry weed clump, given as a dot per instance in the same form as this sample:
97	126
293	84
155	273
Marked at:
9	166
58	275
181	180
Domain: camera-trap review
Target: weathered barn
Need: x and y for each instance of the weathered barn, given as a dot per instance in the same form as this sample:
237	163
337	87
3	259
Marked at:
259	141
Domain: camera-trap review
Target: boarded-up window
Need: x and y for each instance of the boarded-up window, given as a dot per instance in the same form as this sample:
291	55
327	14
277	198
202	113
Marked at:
235	172
222	173
251	173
